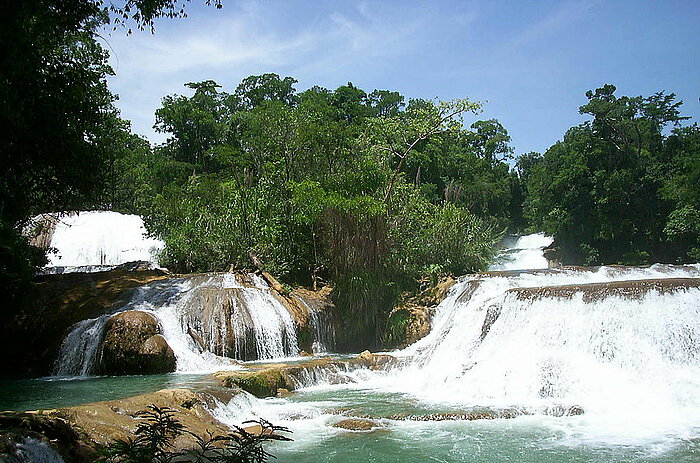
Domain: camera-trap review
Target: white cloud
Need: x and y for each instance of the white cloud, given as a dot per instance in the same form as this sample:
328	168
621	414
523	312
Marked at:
253	38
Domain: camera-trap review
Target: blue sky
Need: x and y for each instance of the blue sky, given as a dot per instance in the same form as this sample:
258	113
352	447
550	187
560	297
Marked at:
530	62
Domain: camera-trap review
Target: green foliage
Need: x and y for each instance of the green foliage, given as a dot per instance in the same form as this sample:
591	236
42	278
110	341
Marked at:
319	185
396	325
153	442
616	189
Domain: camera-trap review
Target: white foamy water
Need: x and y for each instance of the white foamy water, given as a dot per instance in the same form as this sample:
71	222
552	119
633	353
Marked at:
80	348
630	362
99	238
522	253
257	322
32	450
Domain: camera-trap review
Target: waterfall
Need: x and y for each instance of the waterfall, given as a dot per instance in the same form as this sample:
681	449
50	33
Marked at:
31	450
80	348
321	325
522	252
206	320
621	343
98	238
238	317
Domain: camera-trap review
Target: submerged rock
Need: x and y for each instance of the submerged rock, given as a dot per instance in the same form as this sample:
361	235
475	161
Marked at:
356	424
489	414
133	344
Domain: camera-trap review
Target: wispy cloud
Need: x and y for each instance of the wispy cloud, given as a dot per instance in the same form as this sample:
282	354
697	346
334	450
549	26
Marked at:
552	23
248	40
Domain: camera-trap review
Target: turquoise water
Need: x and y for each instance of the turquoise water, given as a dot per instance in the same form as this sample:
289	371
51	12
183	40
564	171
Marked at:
310	414
45	393
526	439
492	442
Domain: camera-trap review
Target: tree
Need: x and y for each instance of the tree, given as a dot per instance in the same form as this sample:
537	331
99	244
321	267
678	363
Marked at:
197	124
604	191
58	124
255	90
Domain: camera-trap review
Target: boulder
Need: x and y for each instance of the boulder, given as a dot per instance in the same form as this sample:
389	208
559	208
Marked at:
31	339
132	344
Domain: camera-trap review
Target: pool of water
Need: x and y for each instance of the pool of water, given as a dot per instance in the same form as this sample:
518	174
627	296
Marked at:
46	393
311	412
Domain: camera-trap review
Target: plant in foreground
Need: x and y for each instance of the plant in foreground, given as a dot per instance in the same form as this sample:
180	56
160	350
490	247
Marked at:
153	442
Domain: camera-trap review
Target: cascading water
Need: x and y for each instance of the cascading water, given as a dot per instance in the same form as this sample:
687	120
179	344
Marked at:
99	239
626	353
522	253
322	326
600	365
80	348
200	316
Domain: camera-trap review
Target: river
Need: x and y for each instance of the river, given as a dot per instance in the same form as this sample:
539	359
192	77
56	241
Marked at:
560	365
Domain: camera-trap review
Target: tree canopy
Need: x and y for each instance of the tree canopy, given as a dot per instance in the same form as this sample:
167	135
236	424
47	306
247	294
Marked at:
617	188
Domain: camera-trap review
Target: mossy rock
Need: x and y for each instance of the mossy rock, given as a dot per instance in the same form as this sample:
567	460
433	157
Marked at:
265	381
261	383
407	325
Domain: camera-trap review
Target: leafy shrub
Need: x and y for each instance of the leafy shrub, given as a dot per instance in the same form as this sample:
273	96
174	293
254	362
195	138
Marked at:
154	436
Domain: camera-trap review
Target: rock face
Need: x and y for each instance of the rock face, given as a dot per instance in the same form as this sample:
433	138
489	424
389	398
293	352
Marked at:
407	325
411	321
133	344
107	421
267	380
633	289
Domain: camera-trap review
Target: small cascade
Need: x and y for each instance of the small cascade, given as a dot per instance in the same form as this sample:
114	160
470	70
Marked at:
95	240
238	319
32	450
206	319
522	253
322	327
80	348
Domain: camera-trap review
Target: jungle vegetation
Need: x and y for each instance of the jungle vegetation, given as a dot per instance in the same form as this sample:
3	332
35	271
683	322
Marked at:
367	190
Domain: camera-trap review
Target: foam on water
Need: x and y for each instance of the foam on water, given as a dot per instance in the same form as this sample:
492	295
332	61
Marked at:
523	253
631	363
